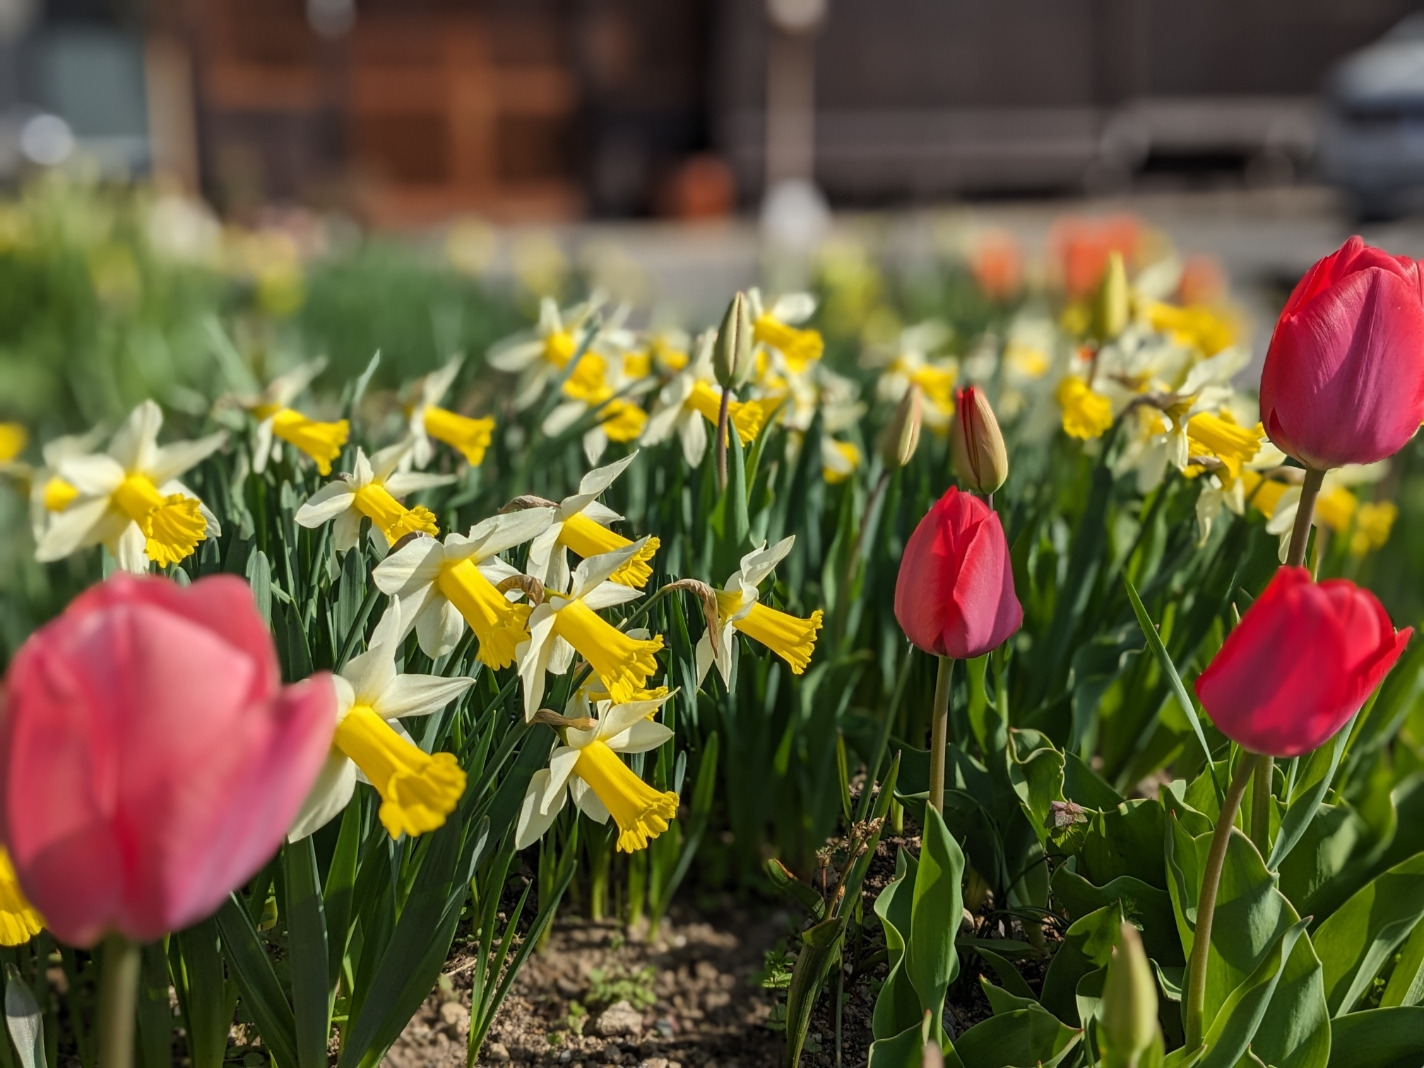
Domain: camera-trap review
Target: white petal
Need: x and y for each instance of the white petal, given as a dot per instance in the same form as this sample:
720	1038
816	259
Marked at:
641	737
370	673
95	475
594	483
134	443
532	823
595	442
78	526
329	795
262	446
285	388
129	550
418	695
600	513
694	440
439	627
346	531
385	462
407	482
411	568
541	552
793	308
588	801
326	504
512	358
561	766
596	569
564	415
534	657
502	532
608	594
760	562
345	695
438	383
170	461
619	718
705	656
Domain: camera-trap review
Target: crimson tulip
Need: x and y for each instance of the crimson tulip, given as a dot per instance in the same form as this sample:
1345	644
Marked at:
1303	660
1343	381
955	593
150	759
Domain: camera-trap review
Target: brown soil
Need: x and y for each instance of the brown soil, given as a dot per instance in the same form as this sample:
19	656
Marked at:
704	1005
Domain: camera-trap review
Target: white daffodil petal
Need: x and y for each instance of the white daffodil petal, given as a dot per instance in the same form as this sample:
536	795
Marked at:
588	801
561	766
438	383
130	551
96	475
534	657
761	562
794	308
326	504
619	718
595	569
77	527
410	568
404	483
346	531
641	737
439	627
608	594
331	793
600	513
531	824
171	461
418	695
370	673
502	532
134	443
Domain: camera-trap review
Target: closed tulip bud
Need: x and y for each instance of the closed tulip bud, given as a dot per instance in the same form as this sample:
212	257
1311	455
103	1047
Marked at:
976	445
901	436
1129	1012
150	759
1343	381
1110	313
732	352
955	592
1304	659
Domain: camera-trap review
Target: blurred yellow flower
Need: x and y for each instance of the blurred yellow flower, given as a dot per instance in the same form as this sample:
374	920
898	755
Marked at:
1086	414
13	439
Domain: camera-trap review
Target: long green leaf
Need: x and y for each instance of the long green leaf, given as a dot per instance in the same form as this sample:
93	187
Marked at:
261	992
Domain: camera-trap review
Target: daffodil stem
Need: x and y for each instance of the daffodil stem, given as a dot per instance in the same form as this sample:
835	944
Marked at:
939	733
1206	900
118	995
1304	513
723	410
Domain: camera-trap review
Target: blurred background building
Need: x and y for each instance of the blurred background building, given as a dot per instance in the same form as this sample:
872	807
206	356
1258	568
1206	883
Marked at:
409	111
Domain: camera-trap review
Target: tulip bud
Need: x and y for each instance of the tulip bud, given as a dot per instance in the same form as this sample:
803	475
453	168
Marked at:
732	351
1110	313
976	445
1129	1012
901	436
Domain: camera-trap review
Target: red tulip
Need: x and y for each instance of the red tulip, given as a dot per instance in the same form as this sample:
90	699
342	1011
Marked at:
1344	376
1303	660
150	759
955	593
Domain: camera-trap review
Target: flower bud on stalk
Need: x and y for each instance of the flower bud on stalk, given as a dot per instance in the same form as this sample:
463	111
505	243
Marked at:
732	352
1129	1013
977	446
1113	305
901	436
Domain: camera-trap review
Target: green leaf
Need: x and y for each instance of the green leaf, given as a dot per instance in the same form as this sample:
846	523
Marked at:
1357	940
307	953
1028	1036
1087	947
1379	1038
931	960
261	992
1317	774
1154	642
897	1006
203	995
1234	1024
1406	981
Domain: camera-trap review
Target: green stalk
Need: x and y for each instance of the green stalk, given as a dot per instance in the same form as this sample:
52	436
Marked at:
1206	902
939	733
723	411
118	994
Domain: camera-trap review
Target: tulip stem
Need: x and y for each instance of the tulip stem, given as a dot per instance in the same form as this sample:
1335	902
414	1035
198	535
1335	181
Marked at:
722	412
118	995
1304	513
939	733
1206	902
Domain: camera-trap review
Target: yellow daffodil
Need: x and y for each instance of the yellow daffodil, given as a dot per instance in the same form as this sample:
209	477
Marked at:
692	400
581	524
541	355
568	623
739	608
1373	522
1208	330
467	435
129	498
1086	413
839	459
587	766
372	489
278	421
777	327
13	439
1219	437
418	789
19	922
443	586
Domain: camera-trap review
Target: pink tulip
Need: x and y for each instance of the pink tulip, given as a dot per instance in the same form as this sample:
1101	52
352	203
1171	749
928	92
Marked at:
151	759
1343	381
